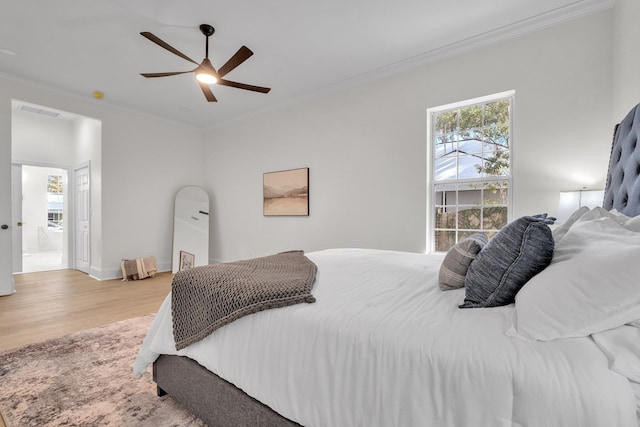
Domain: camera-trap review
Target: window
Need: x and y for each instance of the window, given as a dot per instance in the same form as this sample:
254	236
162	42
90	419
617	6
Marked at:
470	164
54	201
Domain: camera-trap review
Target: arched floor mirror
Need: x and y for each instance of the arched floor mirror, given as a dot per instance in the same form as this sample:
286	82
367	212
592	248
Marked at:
190	228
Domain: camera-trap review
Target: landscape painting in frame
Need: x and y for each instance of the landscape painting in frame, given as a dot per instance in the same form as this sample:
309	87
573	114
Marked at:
187	260
286	193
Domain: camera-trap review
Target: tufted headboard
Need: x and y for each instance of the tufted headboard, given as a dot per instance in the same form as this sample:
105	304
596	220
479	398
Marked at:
622	191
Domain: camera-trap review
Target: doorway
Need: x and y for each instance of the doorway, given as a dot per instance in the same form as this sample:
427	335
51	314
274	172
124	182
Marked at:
40	213
44	137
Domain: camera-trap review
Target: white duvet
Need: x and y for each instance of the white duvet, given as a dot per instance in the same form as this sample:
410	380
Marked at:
383	346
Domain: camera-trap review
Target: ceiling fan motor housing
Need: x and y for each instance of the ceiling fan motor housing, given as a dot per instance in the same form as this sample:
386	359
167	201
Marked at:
207	30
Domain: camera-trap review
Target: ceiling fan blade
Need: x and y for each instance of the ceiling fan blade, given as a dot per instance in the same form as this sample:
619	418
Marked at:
207	92
224	82
238	58
165	45
174	73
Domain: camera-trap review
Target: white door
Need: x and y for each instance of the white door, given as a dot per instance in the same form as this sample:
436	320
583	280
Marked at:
82	219
16	217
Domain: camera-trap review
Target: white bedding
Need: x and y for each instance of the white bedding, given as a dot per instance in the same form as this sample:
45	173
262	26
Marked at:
383	346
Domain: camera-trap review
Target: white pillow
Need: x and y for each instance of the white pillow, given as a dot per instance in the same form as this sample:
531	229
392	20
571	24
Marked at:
630	223
559	231
622	348
591	285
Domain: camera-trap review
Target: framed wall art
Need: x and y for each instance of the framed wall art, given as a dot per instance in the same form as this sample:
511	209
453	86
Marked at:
286	193
187	260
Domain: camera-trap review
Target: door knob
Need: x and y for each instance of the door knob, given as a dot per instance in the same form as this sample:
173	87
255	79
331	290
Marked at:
4	226
19	223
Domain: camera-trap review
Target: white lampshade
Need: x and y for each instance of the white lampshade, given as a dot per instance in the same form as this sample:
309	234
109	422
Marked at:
571	201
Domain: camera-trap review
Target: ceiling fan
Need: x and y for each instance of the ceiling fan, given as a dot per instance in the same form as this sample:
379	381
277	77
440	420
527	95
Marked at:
205	73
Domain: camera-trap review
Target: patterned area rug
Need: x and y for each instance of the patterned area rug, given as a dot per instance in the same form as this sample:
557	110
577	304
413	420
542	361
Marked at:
85	379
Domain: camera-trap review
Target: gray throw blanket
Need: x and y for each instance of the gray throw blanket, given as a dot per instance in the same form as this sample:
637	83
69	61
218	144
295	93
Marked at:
205	298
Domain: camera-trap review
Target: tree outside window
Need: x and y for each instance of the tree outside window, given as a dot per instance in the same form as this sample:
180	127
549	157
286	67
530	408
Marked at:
471	152
55	199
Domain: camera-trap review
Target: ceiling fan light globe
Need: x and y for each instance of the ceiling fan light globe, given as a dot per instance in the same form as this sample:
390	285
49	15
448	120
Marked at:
206	78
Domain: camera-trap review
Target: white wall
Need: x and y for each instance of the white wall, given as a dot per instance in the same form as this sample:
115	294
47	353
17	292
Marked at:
366	147
144	161
626	61
41	139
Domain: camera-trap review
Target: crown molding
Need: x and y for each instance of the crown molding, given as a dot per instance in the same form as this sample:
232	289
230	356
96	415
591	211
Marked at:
539	22
533	24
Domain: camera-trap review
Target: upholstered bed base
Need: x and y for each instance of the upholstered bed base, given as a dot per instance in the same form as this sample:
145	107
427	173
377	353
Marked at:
215	401
622	191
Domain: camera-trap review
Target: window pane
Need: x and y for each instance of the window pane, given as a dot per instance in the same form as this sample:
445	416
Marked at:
496	122
489	146
446	122
54	184
471	118
470	194
494	218
444	240
443	148
446	194
496	113
55	201
446	218
495	193
446	167
469	166
469	218
470	145
496	163
450	198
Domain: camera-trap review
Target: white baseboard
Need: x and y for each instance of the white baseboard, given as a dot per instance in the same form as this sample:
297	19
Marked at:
116	273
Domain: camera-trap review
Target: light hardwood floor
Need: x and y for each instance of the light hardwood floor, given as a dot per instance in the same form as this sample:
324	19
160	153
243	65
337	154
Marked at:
54	303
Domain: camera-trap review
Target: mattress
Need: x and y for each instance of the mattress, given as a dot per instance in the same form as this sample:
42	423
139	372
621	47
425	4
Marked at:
384	346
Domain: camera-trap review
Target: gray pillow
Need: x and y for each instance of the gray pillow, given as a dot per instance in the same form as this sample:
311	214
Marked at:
518	252
456	263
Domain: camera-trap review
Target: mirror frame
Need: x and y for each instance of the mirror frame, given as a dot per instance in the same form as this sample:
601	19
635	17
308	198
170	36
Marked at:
190	228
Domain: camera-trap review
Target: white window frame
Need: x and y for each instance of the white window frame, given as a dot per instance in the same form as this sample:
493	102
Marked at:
430	218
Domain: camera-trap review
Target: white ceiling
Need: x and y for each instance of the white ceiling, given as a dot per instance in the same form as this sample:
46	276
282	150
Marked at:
302	48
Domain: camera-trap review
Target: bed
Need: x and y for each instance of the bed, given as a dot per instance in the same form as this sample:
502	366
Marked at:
384	345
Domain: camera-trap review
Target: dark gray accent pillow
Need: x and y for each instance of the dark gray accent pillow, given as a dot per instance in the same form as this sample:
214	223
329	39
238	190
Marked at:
518	252
456	263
